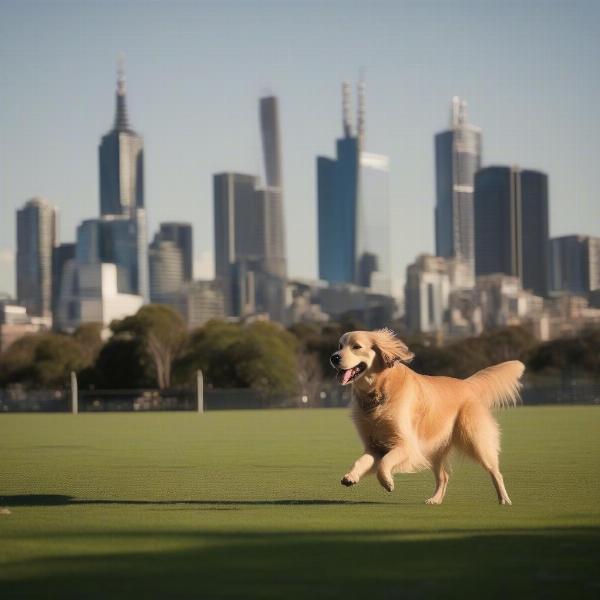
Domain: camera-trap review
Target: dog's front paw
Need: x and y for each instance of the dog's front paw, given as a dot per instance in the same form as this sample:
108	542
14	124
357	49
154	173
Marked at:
386	481
348	480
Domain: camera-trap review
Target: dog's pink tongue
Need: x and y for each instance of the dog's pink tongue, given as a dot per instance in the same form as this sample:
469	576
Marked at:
346	376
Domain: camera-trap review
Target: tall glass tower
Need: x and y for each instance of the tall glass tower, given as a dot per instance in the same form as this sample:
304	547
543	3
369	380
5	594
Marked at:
272	195
457	159
353	208
121	157
122	228
373	224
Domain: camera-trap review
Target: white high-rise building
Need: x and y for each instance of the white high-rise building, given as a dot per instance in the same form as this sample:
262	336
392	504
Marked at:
94	296
427	292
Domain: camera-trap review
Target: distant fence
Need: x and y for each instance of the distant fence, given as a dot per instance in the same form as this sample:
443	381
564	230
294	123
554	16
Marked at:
570	391
19	400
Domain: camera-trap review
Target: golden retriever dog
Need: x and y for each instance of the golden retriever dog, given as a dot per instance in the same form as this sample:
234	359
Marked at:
408	422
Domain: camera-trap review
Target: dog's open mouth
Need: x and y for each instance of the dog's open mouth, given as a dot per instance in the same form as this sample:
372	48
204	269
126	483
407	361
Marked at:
346	376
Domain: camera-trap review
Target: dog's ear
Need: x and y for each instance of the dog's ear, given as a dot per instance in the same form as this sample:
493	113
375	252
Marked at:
390	347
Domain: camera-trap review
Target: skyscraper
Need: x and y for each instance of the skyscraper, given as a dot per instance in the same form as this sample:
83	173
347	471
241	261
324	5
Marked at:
203	301
166	270
121	159
61	256
122	233
182	235
238	221
249	227
427	291
511	225
575	264
271	141
36	238
272	194
244	235
457	159
337	197
373	268
353	208
120	240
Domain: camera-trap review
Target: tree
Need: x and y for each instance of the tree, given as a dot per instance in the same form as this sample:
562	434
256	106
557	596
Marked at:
123	363
163	333
89	338
265	358
42	360
469	355
320	340
206	349
260	356
568	355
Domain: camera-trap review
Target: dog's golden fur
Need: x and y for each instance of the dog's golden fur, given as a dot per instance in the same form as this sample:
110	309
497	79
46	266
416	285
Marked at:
408	422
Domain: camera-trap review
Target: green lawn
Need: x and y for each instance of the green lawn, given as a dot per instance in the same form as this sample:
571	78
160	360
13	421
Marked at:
248	504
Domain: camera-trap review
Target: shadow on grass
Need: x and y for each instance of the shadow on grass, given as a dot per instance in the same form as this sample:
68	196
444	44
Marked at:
63	500
400	563
558	563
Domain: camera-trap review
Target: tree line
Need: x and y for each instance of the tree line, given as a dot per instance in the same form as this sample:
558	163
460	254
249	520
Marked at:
153	348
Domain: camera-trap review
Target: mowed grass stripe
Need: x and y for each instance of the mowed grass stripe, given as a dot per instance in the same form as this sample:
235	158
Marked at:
249	503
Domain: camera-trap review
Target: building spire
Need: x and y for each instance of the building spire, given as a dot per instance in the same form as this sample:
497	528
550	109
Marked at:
121	118
458	112
360	125
346	109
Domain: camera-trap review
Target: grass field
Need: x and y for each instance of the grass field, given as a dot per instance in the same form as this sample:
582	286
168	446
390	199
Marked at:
248	504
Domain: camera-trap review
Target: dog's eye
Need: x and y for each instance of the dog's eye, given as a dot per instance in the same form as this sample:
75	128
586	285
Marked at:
356	347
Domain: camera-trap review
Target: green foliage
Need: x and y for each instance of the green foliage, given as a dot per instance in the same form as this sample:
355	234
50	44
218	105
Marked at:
260	356
123	363
147	346
89	338
465	357
43	360
162	332
321	340
580	354
265	358
207	350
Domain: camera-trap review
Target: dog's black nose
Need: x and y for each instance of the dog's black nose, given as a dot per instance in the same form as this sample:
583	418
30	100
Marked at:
335	359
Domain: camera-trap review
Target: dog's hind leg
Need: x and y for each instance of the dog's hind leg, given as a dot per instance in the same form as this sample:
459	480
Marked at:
441	479
479	437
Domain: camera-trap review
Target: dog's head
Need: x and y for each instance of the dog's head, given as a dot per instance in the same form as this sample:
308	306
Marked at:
367	352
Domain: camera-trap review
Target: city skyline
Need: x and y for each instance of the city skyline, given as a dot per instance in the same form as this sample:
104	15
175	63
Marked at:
521	124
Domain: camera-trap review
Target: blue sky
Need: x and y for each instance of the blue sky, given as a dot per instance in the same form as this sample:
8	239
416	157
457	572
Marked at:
195	71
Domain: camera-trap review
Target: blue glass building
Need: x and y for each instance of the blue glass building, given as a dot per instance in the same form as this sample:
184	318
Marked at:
337	197
120	240
353	210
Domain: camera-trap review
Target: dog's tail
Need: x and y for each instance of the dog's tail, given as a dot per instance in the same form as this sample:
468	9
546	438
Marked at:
498	386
